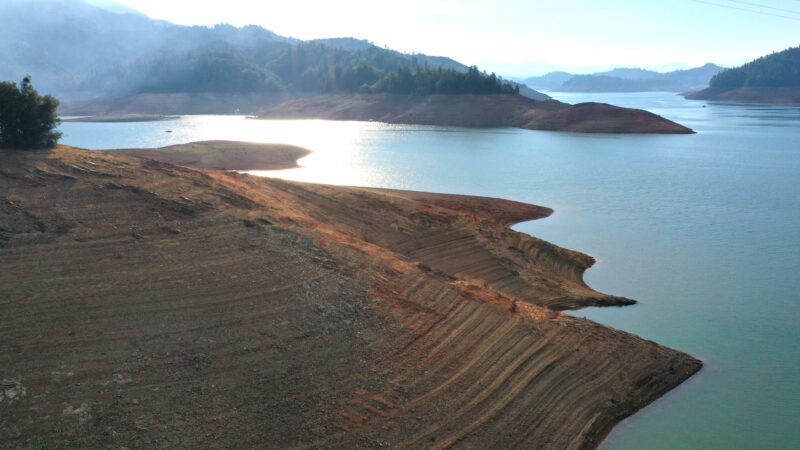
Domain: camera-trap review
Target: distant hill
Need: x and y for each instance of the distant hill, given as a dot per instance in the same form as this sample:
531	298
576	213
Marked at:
549	81
525	69
774	78
640	80
630	73
79	51
60	42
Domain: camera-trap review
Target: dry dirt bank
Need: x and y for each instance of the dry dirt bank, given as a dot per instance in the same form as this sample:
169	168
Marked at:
153	306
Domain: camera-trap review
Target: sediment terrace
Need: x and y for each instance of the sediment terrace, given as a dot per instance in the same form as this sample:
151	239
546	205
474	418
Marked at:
153	306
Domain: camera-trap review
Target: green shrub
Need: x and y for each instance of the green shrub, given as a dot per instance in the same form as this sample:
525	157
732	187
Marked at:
27	120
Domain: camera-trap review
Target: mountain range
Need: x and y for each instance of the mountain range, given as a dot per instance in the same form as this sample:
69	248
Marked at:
103	61
77	51
626	80
519	71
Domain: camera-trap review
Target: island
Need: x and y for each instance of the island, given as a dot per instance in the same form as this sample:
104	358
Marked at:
147	304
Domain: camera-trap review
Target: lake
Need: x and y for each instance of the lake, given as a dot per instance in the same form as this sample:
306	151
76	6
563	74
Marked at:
703	230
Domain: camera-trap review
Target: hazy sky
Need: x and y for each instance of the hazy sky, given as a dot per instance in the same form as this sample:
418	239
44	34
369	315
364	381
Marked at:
561	32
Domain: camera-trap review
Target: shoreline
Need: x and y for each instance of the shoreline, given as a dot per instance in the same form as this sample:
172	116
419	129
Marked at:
406	305
499	110
225	155
123	118
779	95
506	212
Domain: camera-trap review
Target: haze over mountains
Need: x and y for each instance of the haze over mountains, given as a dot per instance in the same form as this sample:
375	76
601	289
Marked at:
76	50
85	49
115	7
528	69
626	80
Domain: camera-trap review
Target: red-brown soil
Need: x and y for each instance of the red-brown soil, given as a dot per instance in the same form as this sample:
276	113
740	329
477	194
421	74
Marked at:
477	110
147	305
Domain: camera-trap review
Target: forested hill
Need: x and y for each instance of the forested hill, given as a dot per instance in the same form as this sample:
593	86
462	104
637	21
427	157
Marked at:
440	81
775	70
76	50
773	78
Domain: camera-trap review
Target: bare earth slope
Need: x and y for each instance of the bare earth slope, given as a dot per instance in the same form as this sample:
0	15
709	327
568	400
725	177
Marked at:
152	306
477	110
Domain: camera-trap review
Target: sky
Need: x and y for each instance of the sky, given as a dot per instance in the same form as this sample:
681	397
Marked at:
560	33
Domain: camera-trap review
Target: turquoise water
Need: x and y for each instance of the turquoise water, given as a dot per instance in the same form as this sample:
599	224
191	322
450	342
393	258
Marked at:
703	230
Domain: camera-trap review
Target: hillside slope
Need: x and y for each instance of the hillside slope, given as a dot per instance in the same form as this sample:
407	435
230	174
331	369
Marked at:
95	59
151	306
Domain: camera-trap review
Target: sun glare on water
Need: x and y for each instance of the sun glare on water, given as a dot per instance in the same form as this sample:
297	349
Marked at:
337	148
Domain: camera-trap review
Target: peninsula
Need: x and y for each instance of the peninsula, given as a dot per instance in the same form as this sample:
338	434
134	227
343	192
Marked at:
225	155
146	304
481	110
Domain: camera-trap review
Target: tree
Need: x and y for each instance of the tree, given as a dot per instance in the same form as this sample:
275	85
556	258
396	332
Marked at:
442	81
27	120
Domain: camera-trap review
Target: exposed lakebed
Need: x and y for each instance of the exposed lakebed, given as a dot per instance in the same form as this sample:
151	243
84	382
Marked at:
702	229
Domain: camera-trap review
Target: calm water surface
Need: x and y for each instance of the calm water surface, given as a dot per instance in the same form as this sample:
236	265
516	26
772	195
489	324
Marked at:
703	230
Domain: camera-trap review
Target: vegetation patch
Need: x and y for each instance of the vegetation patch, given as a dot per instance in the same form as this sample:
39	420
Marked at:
27	120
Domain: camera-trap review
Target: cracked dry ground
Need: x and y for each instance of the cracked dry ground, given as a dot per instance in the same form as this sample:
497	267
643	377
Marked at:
146	305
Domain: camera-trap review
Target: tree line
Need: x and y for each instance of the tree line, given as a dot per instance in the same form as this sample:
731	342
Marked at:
440	81
777	69
306	67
